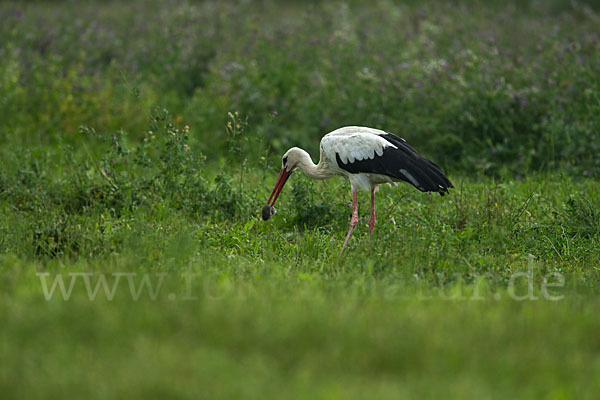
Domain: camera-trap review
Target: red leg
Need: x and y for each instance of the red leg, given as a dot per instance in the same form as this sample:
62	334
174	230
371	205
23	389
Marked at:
354	219
372	220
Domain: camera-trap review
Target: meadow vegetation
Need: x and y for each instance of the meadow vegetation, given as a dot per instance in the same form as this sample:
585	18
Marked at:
139	141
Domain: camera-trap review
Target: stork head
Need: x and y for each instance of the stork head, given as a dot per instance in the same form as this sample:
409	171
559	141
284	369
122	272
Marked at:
293	158
289	162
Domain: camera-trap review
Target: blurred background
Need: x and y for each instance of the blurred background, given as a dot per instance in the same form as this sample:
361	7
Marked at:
480	86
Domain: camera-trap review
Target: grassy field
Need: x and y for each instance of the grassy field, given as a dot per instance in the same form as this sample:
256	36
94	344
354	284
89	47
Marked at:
139	141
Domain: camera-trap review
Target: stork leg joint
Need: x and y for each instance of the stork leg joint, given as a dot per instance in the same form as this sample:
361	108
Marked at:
354	219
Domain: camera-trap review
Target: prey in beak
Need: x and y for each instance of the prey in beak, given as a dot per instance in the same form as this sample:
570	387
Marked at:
269	210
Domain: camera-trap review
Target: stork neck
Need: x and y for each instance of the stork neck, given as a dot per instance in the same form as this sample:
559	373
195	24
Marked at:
314	171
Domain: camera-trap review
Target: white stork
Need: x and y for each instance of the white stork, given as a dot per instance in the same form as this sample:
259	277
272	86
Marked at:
367	157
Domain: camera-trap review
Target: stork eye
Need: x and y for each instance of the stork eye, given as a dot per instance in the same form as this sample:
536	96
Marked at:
284	161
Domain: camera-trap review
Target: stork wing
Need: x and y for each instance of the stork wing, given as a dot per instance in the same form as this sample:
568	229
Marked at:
366	150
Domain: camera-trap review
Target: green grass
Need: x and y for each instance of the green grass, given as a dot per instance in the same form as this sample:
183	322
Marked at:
490	292
273	307
300	338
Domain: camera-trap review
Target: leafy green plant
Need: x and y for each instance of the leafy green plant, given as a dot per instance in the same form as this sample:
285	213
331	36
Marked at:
581	216
311	208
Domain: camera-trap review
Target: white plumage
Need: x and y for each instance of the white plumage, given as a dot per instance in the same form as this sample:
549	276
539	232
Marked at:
354	143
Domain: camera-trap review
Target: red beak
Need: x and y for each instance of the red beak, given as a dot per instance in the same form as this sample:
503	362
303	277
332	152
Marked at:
283	177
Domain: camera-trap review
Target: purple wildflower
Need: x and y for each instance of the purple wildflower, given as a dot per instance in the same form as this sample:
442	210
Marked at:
523	103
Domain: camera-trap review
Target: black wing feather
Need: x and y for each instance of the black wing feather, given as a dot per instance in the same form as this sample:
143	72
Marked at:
428	175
